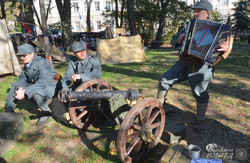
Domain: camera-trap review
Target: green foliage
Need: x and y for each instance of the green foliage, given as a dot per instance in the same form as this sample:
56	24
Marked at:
241	18
167	38
18	27
12	10
171	15
144	21
229	22
179	13
216	15
28	12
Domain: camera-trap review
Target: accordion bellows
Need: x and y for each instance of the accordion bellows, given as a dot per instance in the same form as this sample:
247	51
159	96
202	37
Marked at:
202	39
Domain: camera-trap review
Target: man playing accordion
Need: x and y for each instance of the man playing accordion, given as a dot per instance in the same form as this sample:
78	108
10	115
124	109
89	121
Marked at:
198	73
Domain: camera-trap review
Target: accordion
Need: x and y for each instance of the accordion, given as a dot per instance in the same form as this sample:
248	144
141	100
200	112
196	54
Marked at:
202	39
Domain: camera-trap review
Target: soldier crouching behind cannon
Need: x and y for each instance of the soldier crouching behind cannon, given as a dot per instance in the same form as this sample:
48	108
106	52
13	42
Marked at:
82	67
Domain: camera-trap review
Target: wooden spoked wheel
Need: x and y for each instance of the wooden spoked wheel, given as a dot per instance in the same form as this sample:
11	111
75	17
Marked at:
80	111
141	129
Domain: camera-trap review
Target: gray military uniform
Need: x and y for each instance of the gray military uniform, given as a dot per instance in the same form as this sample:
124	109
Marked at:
88	69
197	72
36	80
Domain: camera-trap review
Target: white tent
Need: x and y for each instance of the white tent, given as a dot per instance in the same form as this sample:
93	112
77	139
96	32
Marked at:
9	63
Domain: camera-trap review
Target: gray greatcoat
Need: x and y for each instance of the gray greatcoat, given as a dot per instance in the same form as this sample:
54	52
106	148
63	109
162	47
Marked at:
88	69
35	79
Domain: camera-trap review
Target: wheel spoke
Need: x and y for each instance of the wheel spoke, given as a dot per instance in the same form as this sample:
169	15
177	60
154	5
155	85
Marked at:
132	145
88	117
80	107
151	120
141	119
98	88
137	127
133	135
148	113
138	146
82	114
152	137
155	125
91	88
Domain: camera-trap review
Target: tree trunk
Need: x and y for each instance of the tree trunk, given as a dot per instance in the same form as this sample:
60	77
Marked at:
38	19
160	31
48	9
3	9
131	18
117	13
65	16
88	15
45	31
162	20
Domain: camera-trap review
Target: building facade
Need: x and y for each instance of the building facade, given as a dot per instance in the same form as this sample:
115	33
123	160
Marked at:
224	7
79	14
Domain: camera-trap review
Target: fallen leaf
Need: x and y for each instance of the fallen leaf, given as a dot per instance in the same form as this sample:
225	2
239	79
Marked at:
113	150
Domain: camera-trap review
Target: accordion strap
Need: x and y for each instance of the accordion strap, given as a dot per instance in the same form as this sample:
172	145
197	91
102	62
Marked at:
226	53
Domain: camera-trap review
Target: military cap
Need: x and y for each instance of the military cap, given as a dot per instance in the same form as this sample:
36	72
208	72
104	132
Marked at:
205	5
25	48
77	46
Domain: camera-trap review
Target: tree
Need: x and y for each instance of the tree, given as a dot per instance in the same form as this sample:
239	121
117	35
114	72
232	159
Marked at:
45	31
88	2
144	21
3	9
119	13
131	18
64	9
241	19
174	11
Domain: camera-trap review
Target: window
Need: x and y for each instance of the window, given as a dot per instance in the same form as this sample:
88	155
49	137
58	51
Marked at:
108	5
75	7
97	6
225	2
85	6
78	28
99	25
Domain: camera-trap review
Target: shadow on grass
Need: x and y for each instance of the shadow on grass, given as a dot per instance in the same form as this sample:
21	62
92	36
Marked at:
101	141
214	131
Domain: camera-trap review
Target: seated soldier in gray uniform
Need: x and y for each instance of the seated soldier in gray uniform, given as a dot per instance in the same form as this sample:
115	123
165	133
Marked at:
82	67
37	83
197	72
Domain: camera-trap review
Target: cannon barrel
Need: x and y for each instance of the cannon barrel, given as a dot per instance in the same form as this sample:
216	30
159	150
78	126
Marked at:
131	94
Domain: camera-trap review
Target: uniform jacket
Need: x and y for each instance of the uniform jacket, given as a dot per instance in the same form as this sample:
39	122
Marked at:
36	78
88	69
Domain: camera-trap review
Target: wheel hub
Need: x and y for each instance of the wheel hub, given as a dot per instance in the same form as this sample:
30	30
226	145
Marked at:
146	132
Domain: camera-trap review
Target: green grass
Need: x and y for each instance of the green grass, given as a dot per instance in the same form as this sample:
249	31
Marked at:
229	103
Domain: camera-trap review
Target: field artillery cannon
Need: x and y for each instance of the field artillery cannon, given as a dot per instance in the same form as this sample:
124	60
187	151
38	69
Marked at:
141	124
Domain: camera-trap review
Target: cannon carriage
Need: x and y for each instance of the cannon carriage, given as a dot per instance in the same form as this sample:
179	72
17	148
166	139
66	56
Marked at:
141	120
